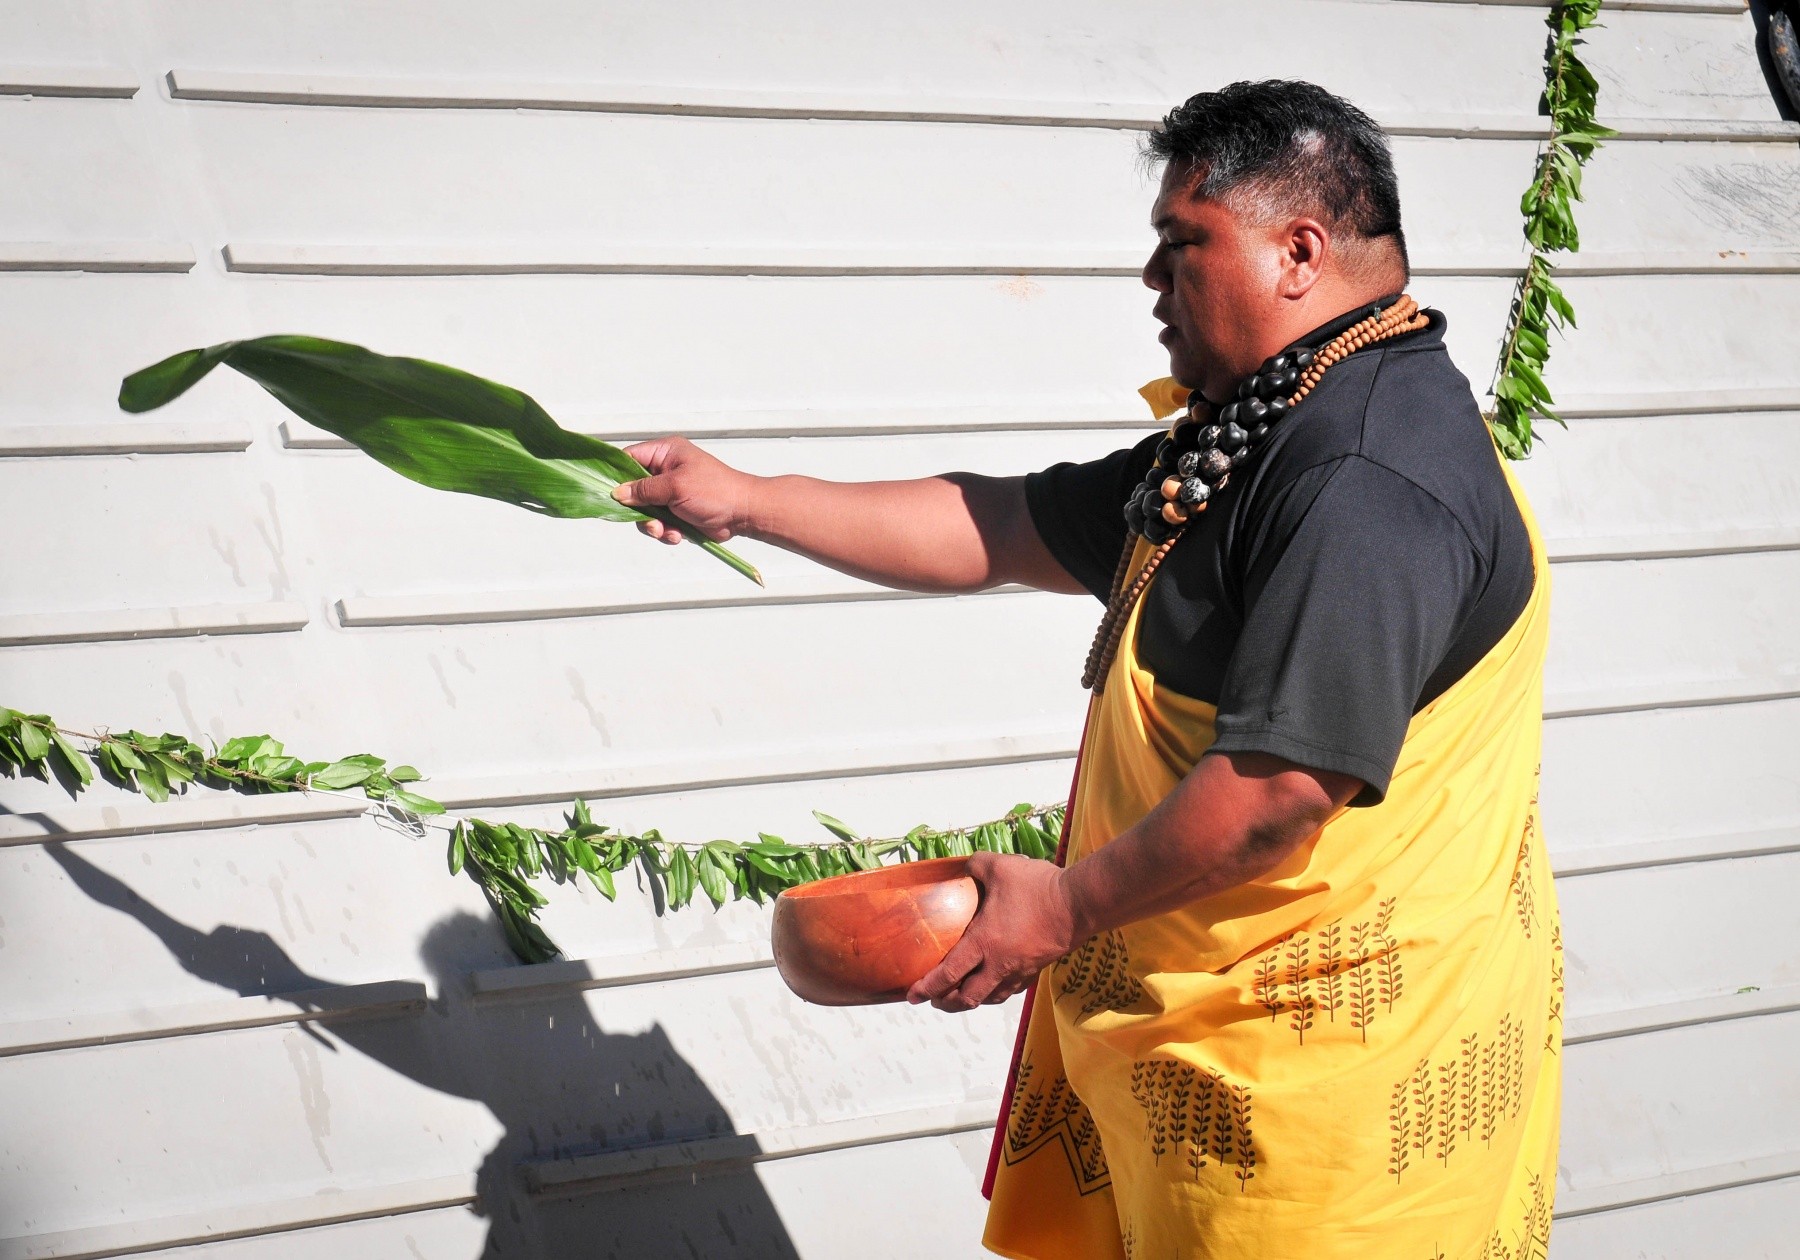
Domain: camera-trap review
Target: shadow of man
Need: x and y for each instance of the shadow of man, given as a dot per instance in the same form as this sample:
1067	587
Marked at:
550	1075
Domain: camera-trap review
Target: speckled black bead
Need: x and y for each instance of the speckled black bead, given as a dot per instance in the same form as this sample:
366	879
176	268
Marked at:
1194	492
1188	464
1213	465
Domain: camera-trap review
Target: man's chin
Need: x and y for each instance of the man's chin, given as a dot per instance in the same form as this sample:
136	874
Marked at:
1187	374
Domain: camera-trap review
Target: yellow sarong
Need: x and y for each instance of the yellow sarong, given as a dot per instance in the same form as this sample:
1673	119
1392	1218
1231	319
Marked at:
1356	1055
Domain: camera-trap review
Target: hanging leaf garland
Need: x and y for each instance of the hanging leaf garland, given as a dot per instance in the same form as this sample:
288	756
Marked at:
1571	97
504	858
439	426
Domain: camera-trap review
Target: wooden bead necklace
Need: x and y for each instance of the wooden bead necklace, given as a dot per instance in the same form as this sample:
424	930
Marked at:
1195	460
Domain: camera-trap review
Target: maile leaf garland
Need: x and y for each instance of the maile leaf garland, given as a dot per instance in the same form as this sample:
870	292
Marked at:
442	427
506	859
1571	95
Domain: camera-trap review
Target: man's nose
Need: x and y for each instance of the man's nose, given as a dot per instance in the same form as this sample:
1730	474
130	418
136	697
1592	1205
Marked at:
1156	271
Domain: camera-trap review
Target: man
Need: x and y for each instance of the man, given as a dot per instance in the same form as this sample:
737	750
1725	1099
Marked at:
1297	981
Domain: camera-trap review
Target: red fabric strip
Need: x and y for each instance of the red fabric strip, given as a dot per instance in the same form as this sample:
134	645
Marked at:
1012	1071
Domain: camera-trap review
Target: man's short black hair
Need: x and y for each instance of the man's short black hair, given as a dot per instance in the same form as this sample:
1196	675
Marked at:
1294	147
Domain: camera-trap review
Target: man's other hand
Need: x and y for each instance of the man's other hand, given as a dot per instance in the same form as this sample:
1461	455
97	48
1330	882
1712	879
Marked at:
701	489
1025	922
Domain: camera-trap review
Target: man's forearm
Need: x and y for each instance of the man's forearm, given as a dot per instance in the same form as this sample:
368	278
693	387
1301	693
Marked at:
1233	818
953	533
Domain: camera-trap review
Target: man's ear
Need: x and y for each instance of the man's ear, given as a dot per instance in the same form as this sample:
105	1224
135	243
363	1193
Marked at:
1305	247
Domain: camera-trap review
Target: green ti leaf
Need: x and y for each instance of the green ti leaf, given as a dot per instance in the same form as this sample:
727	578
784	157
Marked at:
436	425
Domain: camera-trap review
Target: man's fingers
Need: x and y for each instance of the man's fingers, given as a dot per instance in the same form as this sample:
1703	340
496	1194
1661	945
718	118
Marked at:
651	491
962	959
654	453
989	987
1005	993
954	1003
960	998
653	528
976	988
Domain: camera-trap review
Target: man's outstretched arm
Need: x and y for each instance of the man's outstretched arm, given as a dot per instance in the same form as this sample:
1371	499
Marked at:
952	533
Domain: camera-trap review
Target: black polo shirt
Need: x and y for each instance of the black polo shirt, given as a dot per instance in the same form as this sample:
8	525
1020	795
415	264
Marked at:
1354	569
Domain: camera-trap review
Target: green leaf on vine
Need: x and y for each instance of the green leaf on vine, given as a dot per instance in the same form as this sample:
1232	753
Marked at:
416	803
713	880
339	775
73	761
840	830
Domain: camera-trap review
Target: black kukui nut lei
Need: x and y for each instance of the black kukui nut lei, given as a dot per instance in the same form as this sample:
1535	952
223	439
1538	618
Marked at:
1191	463
1214	464
1195	460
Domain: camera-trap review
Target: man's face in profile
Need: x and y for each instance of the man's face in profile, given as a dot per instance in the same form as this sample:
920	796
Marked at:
1216	273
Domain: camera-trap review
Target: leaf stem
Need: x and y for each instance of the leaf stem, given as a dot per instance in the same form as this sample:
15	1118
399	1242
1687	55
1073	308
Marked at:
728	556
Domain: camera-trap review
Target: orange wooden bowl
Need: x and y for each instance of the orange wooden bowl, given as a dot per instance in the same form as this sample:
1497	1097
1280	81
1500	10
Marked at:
867	937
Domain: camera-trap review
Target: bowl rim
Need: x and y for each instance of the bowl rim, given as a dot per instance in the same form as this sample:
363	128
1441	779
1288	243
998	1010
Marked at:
882	879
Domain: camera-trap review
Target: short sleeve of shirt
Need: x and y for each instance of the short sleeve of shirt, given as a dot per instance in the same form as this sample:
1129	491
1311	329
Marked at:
1355	582
1079	511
